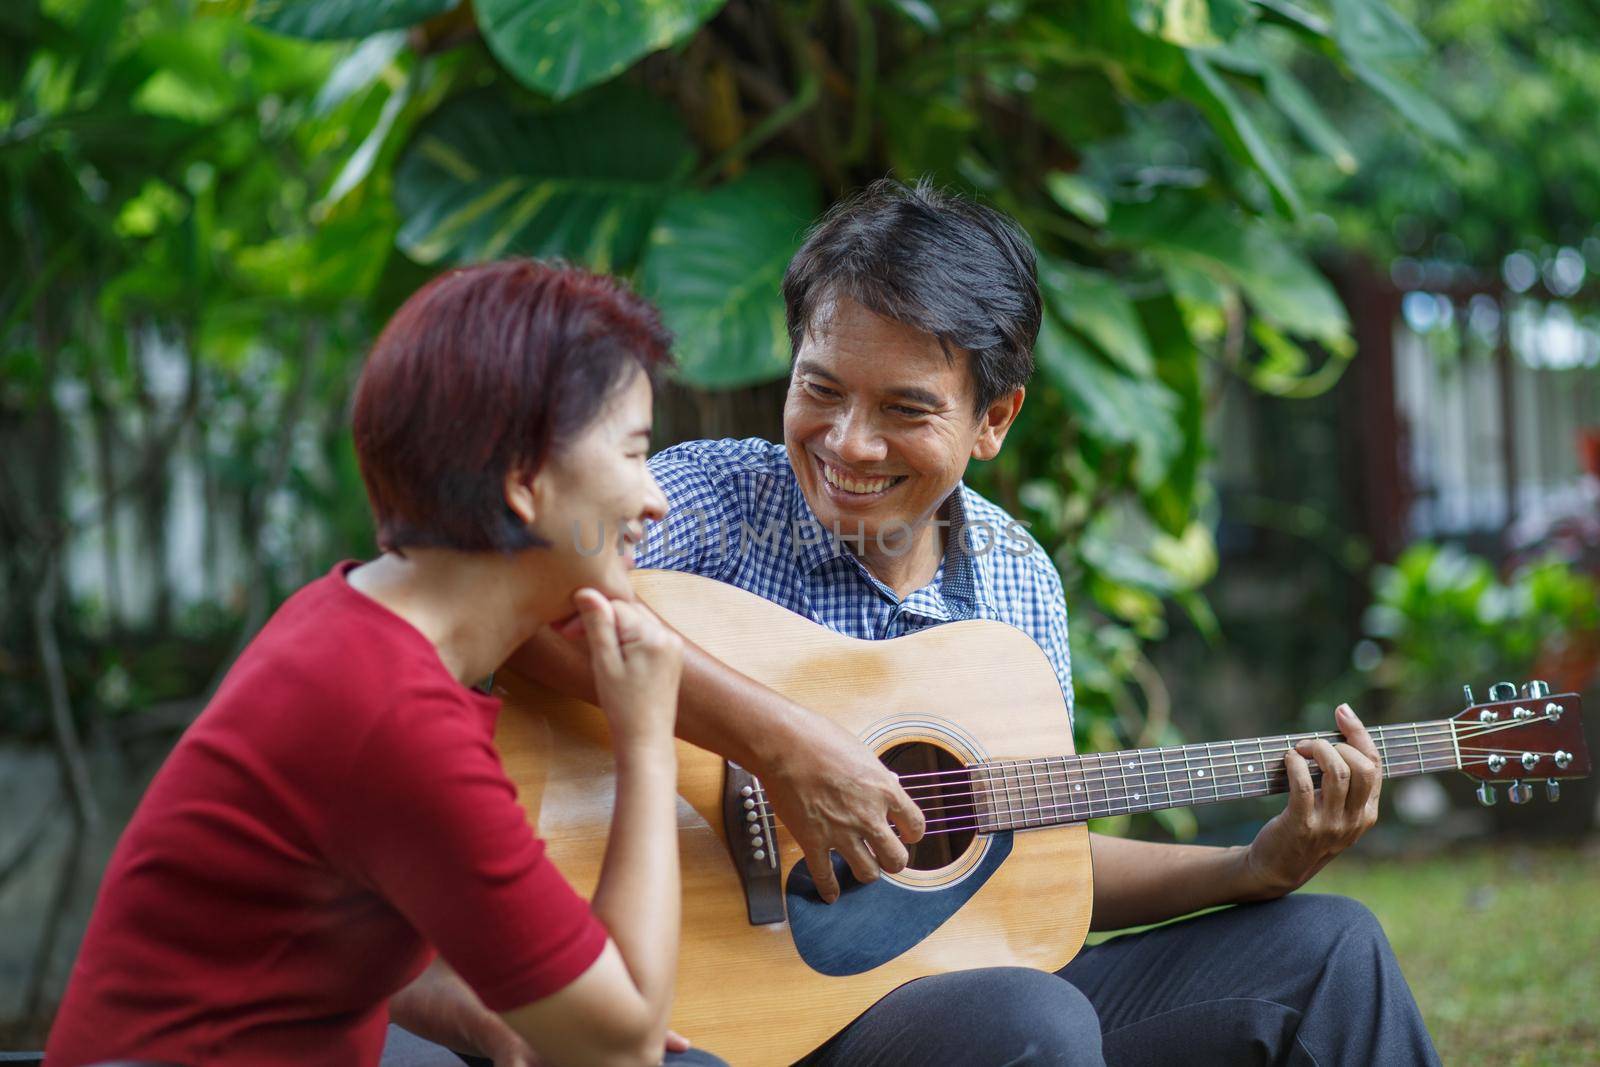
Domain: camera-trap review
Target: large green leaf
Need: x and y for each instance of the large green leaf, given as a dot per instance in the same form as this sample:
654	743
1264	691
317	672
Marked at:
1110	406
560	46
1279	283
1190	23
714	266
483	177
332	19
1415	105
1371	29
1216	98
1095	305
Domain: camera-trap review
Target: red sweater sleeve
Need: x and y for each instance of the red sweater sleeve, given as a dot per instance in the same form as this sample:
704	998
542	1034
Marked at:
430	821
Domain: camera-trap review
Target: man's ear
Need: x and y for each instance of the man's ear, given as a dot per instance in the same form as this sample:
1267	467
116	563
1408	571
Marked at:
995	422
522	495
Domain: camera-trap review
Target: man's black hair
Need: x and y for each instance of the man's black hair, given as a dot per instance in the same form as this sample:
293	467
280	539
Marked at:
929	259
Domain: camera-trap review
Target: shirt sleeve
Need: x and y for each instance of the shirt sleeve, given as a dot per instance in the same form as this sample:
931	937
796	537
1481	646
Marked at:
702	519
1054	643
430	821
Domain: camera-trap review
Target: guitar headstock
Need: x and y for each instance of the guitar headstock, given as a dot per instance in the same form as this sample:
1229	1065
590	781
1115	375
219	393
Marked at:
1522	736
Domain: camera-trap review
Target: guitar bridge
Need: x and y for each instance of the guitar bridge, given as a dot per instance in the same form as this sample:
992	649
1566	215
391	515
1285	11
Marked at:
748	825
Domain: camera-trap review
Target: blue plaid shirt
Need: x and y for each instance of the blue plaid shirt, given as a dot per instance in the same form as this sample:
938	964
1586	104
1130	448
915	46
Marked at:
738	515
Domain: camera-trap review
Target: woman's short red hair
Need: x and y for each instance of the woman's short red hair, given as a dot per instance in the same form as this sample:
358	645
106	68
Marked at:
483	371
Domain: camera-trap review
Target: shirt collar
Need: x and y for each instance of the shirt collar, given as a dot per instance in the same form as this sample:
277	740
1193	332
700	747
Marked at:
959	582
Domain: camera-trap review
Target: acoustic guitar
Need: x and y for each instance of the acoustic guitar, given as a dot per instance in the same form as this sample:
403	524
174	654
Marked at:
971	717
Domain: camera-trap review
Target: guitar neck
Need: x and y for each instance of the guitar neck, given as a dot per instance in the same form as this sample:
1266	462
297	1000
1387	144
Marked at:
1022	794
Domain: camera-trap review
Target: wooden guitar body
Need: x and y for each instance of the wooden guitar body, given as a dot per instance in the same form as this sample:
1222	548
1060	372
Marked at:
769	992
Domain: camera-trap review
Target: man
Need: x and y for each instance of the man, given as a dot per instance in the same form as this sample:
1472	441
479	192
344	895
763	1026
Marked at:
912	316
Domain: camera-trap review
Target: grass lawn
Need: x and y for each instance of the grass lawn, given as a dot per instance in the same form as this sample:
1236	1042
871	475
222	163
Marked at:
1501	946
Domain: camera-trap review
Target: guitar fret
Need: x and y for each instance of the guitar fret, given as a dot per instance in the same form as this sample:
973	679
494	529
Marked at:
1035	809
1053	790
1013	793
1097	805
1141	760
1077	794
1122	772
1056	812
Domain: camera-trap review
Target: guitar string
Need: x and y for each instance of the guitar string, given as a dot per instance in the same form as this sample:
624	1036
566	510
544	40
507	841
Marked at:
1172	757
1005	770
1428	750
1109	806
1161	758
1053	810
1052	775
1470	730
1085	792
1432	730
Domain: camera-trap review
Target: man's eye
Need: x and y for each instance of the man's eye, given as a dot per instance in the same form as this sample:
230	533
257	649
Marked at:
821	390
913	412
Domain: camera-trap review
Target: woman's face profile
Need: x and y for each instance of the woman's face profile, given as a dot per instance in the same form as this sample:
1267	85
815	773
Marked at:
596	493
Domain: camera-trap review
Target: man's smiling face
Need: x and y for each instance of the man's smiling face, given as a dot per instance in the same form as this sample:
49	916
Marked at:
879	422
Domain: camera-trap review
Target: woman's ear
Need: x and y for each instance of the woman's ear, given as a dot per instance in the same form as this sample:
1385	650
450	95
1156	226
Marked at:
995	422
521	497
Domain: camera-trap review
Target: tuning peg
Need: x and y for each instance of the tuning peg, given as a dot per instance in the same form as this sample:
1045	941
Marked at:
1520	792
1535	690
1486	794
1503	691
1466	692
1552	790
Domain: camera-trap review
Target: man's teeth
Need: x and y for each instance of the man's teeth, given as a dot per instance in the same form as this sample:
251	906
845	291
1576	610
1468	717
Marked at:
855	485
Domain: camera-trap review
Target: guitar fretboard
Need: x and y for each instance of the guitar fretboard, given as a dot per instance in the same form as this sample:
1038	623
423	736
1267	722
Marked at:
1019	794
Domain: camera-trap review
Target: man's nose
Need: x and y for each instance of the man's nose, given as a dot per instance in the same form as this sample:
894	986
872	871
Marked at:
855	440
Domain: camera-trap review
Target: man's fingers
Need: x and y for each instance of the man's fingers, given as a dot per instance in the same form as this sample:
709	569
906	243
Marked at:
862	863
1302	793
1364	778
1335	772
821	866
1355	733
908	818
887	849
676	1042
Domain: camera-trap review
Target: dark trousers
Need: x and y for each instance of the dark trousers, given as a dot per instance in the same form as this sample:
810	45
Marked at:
405	1049
1303	980
1308	981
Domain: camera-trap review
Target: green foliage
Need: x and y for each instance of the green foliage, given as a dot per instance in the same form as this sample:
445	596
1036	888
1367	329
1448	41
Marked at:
262	188
484	178
1517	86
334	19
561	48
1440	611
714	261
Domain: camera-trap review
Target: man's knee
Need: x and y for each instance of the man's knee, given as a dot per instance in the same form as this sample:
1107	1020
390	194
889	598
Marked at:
1046	1018
1329	920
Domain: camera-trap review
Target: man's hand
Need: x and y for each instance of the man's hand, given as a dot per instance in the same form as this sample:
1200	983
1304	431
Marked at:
1318	824
832	793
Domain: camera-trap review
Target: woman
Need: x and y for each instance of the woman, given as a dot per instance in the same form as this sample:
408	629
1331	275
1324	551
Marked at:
338	815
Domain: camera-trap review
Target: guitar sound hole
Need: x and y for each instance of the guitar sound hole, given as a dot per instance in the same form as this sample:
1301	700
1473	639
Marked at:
942	788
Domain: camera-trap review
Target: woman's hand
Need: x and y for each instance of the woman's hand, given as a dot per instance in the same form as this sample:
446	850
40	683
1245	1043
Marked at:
636	662
1320	823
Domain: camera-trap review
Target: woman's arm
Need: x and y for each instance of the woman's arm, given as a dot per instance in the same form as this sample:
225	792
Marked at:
616	1012
442	1008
